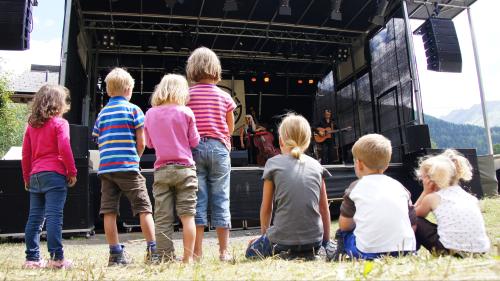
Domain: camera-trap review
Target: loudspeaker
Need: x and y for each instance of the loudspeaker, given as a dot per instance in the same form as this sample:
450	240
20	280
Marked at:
239	158
417	137
79	139
441	45
15	24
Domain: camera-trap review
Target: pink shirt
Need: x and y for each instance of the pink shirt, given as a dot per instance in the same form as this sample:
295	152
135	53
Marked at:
210	105
171	131
47	149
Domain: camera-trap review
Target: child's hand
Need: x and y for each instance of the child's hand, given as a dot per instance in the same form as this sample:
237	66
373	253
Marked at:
27	186
429	186
71	181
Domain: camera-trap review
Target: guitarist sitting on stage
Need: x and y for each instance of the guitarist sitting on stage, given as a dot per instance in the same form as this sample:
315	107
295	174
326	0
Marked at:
323	128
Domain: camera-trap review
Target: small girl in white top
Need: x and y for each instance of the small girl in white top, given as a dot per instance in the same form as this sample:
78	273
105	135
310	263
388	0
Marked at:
460	225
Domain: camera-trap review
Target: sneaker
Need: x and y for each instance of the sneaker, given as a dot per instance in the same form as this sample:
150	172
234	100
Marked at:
35	264
60	264
119	259
339	251
226	257
152	257
330	250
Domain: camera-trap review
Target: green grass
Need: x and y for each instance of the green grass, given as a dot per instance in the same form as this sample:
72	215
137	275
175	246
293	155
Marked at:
91	258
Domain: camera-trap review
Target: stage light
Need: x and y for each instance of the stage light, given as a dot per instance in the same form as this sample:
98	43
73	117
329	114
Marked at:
336	14
230	6
253	79
284	8
379	17
310	81
342	54
300	81
266	79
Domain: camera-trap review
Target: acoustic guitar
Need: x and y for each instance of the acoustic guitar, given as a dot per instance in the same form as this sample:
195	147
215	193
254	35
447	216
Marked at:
327	133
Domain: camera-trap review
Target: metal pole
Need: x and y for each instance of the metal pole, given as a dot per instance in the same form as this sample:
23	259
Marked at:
480	82
413	66
65	42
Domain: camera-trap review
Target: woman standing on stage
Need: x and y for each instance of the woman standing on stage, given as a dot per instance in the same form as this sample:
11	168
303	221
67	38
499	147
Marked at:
246	137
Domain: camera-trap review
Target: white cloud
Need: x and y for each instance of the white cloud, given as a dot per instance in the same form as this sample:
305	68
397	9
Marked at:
49	23
40	52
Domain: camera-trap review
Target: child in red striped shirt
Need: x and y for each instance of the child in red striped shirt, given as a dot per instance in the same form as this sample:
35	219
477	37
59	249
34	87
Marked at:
213	110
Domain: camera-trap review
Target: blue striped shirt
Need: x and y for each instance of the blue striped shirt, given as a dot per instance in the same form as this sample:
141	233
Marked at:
115	133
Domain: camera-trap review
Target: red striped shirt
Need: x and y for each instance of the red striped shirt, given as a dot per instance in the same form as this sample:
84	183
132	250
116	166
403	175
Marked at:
210	105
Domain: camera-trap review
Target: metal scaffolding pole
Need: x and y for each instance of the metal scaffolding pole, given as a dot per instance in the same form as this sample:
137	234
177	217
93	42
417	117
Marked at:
480	82
413	66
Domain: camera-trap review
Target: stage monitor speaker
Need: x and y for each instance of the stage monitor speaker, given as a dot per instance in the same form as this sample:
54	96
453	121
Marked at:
15	24
79	138
441	45
417	137
239	158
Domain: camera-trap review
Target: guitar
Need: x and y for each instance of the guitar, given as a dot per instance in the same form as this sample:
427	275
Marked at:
327	133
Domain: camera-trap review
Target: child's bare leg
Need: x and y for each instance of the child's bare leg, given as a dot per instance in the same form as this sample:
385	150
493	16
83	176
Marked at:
110	229
147	226
223	236
188	237
198	245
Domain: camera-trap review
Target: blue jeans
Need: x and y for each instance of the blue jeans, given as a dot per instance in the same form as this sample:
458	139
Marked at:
213	168
352	251
47	197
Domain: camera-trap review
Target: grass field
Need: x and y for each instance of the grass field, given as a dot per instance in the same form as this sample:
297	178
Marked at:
90	257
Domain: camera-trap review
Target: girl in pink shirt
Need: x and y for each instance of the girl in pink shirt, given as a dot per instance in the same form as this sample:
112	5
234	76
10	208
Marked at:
48	169
170	129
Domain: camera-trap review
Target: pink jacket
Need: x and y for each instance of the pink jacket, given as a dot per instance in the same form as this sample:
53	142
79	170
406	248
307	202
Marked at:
171	131
47	149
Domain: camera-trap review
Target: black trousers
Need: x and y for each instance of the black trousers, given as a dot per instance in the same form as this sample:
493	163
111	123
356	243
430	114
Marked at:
428	237
327	151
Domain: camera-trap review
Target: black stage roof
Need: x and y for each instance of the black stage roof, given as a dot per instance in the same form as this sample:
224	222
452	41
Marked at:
253	37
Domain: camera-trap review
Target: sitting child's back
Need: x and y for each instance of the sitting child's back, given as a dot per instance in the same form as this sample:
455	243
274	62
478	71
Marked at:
297	184
380	209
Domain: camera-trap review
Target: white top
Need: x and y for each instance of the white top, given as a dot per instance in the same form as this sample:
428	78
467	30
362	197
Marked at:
460	224
381	217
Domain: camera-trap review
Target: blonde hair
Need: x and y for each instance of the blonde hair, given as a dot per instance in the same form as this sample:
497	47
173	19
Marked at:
49	101
118	81
173	88
462	166
252	123
203	63
374	150
445	169
295	134
439	169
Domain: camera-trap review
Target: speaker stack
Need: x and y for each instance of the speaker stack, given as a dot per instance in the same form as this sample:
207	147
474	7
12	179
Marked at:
441	45
15	24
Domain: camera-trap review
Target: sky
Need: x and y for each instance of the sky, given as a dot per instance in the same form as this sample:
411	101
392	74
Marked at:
441	92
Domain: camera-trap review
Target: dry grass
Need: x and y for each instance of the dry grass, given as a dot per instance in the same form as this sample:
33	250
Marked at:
91	258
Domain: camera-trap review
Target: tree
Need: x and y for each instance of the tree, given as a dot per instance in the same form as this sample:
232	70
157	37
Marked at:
496	148
12	119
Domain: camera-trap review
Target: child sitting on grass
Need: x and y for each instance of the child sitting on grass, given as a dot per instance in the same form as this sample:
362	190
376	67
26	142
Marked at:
170	129
460	225
376	216
295	182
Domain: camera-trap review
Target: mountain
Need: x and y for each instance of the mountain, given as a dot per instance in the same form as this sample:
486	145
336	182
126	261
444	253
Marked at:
450	135
474	115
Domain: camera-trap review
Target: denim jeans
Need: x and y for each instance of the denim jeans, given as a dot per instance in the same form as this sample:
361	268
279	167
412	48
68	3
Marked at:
47	197
213	168
262	247
352	251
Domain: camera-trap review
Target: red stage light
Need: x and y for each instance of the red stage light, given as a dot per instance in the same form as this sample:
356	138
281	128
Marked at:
253	79
300	81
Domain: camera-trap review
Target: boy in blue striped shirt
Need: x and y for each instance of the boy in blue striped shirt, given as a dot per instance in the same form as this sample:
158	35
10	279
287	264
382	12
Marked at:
119	130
